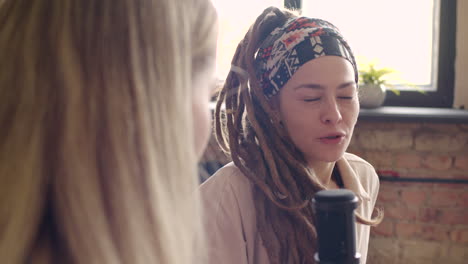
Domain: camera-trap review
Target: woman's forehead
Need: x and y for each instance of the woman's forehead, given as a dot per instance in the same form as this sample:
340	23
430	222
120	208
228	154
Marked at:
324	71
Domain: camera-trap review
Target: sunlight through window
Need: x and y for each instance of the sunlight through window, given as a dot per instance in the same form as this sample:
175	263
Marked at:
399	34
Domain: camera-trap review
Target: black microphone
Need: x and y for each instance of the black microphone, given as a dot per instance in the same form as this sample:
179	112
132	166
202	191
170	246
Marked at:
335	223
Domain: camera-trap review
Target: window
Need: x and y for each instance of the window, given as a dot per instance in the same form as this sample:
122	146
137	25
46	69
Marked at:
235	18
415	38
384	32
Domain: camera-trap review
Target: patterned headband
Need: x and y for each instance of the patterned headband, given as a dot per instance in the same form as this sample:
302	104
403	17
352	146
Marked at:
289	47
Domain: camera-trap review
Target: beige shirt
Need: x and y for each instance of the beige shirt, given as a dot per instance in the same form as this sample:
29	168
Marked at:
230	220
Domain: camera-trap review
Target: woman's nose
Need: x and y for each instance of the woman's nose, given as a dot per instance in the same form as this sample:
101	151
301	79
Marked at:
331	113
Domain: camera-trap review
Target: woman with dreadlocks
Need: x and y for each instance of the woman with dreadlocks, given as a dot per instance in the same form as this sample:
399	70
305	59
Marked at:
286	115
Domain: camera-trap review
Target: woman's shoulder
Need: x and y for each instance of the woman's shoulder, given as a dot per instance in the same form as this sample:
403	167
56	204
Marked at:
363	170
230	217
360	166
357	161
227	201
228	187
227	176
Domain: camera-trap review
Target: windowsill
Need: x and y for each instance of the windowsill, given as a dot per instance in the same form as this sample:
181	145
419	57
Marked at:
414	114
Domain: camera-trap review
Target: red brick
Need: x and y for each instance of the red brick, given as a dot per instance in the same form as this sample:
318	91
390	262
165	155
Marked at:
457	254
422	231
430	215
459	236
438	162
417	173
463	127
420	251
443	128
414	197
406	126
395	185
445	198
385	229
380	159
449	216
408	161
401	212
388	139
363	126
357	152
462	176
435	232
463	200
388	195
449	186
461	162
407	230
454	217
383	250
440	142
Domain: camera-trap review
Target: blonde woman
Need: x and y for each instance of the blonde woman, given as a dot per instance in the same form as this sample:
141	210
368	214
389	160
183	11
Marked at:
103	113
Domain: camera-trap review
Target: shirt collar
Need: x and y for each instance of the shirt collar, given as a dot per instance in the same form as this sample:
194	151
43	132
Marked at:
351	180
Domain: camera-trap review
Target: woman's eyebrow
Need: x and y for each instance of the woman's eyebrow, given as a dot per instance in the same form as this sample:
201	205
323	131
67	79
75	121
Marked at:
310	86
318	86
346	84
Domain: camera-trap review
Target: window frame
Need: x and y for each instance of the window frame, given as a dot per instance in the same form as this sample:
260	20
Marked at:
443	97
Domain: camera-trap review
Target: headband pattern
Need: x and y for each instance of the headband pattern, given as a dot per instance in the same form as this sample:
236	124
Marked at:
289	47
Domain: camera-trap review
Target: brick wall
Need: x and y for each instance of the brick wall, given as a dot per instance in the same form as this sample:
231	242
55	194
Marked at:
424	222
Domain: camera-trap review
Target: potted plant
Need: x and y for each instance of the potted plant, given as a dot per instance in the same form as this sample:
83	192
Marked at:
373	86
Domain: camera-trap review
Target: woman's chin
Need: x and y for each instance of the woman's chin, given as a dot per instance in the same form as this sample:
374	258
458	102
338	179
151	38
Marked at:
327	157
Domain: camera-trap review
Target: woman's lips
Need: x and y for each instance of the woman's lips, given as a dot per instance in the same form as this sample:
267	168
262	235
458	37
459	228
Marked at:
332	139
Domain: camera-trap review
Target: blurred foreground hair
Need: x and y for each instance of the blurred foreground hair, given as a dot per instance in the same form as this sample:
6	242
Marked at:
95	111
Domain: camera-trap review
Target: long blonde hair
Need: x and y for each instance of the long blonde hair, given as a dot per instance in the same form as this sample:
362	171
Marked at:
96	147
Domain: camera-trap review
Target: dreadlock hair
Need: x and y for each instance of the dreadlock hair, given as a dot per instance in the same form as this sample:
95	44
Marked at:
250	130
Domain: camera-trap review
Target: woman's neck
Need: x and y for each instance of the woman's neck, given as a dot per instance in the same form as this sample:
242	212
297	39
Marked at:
323	171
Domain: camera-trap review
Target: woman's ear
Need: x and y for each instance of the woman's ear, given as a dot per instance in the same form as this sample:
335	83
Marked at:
274	103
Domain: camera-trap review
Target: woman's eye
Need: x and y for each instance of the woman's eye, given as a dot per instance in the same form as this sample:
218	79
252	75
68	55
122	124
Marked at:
346	97
312	99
